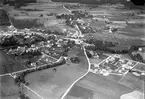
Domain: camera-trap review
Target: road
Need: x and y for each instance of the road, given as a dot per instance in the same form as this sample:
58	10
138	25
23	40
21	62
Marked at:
62	6
66	9
88	70
30	68
29	89
63	96
89	64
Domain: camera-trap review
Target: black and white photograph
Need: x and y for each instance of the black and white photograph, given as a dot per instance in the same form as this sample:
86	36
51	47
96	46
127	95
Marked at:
72	49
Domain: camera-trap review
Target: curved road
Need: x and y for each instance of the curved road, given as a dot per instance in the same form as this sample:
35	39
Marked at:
63	96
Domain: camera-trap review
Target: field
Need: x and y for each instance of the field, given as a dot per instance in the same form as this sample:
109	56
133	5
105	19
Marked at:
97	60
133	82
46	8
8	64
140	67
89	2
129	23
99	87
8	89
51	84
37	15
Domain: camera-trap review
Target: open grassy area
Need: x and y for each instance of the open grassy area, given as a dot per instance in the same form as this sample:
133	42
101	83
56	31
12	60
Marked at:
46	8
140	66
127	34
77	51
37	15
9	90
8	64
97	60
100	87
133	82
51	84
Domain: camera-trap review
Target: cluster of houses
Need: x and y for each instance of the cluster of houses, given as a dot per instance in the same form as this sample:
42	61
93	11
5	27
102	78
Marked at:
113	65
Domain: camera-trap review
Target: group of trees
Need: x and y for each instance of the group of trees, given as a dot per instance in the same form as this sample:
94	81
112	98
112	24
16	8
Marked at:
105	46
89	54
18	3
133	53
136	57
69	6
55	32
135	2
100	44
65	16
107	49
23	96
87	30
82	14
76	15
21	40
75	60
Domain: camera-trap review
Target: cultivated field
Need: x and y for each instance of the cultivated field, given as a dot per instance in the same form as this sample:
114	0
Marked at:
37	15
128	33
96	86
133	82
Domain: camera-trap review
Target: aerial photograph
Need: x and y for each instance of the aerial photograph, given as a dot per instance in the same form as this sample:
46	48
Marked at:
72	49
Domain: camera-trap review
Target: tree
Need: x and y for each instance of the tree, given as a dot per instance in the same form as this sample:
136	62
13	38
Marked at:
89	54
23	96
75	60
